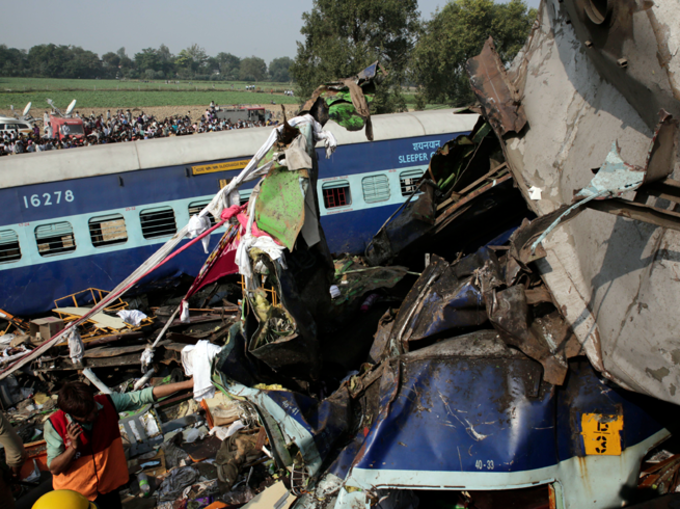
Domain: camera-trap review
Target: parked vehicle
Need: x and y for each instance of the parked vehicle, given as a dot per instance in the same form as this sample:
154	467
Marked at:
23	124
242	113
63	124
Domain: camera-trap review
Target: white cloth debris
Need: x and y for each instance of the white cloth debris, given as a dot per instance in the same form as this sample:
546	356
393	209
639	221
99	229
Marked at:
197	362
535	193
297	157
266	244
224	433
184	311
335	292
198	225
4	358
249	242
6	339
192	435
132	316
146	358
75	346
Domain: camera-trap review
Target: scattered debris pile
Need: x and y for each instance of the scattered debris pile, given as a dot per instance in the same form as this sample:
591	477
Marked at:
507	339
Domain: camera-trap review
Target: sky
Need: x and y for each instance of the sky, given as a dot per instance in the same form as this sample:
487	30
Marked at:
264	28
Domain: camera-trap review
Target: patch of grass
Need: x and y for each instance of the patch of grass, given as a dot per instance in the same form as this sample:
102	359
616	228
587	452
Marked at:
138	94
134	94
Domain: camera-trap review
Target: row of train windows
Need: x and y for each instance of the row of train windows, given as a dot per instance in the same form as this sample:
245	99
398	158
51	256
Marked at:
57	238
375	188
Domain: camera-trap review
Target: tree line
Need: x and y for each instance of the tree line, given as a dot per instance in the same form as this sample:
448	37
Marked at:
341	37
60	61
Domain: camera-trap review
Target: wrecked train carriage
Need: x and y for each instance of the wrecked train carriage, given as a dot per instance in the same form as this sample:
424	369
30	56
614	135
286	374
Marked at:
84	218
607	70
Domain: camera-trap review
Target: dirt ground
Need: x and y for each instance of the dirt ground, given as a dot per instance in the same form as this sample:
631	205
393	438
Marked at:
161	112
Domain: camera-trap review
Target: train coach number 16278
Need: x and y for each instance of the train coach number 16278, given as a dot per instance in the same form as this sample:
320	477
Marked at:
46	199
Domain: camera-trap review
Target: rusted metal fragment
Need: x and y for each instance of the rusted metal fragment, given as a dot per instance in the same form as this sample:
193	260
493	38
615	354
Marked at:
499	98
424	206
666	189
638	211
445	217
381	346
537	295
662	151
509	313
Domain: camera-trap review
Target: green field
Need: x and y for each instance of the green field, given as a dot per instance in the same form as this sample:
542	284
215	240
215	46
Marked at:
134	94
139	94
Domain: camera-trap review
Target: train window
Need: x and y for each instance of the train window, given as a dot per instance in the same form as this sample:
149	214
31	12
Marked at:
9	246
196	206
336	194
409	181
107	230
158	222
244	196
55	238
376	188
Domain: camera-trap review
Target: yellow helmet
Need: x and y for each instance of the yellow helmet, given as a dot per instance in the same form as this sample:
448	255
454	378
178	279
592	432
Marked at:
63	499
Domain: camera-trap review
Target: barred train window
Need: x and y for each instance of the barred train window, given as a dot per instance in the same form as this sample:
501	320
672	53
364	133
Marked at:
107	230
55	238
9	246
376	188
336	194
409	181
195	208
158	222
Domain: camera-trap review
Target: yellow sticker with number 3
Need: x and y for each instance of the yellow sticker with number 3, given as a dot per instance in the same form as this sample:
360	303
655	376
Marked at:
602	434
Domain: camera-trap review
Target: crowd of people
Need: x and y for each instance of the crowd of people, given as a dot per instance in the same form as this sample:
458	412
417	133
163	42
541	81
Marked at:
121	126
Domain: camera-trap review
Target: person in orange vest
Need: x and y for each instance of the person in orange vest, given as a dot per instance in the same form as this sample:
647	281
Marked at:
84	447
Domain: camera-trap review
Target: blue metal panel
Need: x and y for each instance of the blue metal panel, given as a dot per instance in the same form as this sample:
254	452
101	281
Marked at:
438	421
350	232
379	155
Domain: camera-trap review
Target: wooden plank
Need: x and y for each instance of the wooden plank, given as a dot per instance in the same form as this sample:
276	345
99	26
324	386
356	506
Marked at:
109	351
100	320
197	319
109	338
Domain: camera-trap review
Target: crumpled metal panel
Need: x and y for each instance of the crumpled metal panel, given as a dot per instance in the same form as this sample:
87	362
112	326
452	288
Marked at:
509	313
613	279
495	91
280	206
434	431
633	44
438	302
295	423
